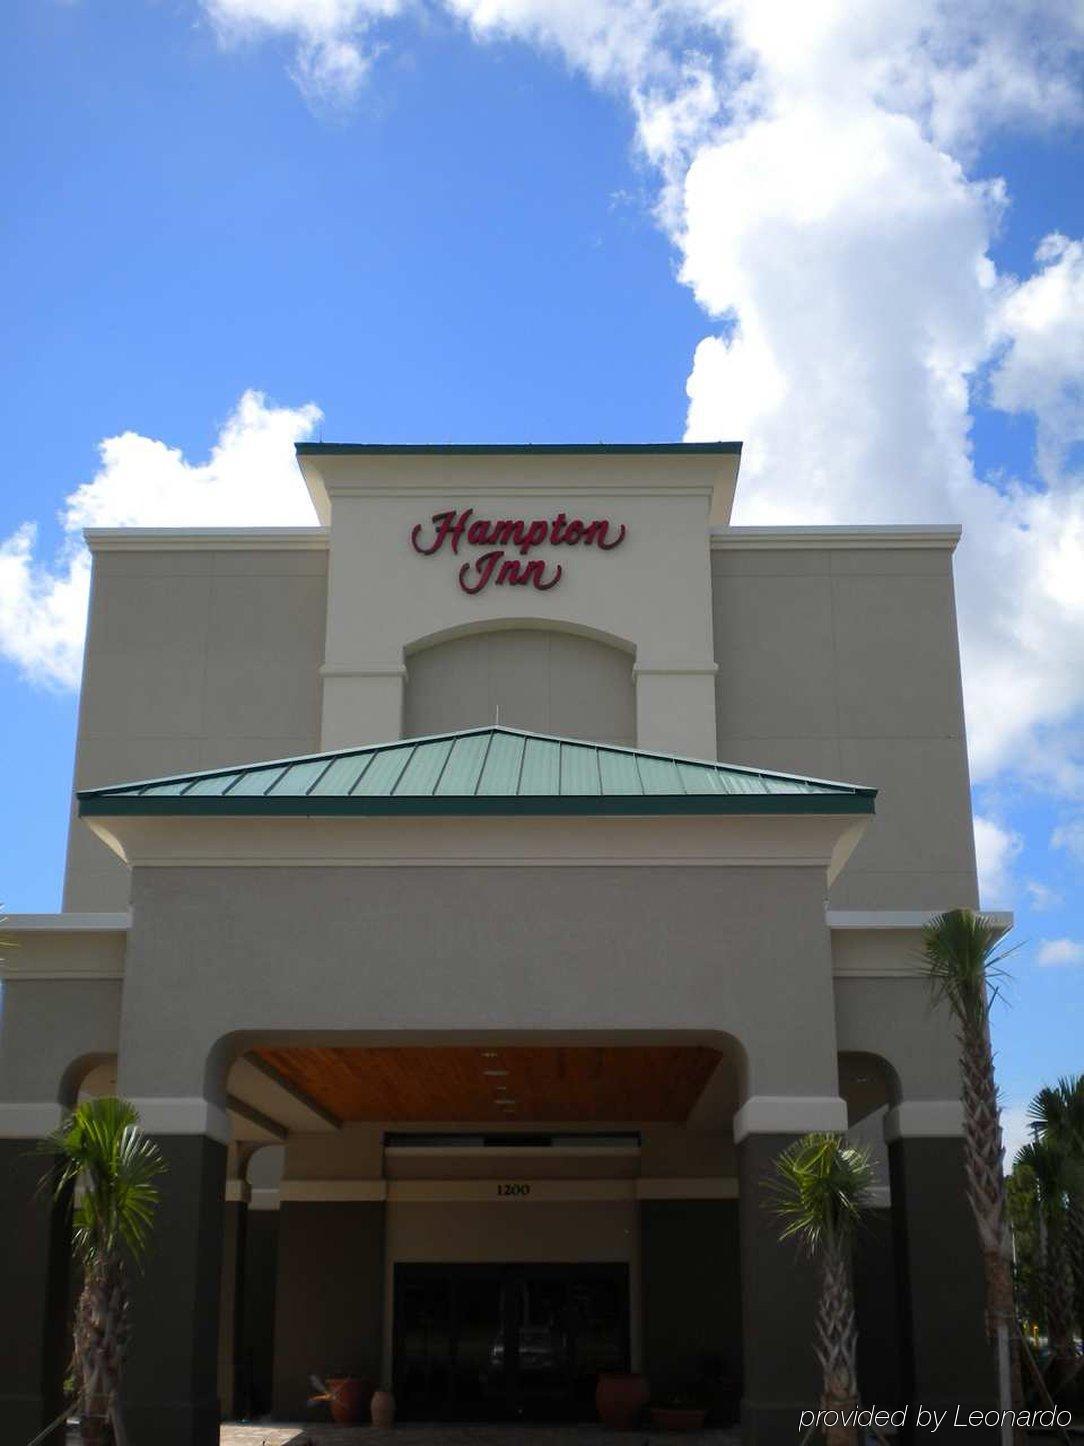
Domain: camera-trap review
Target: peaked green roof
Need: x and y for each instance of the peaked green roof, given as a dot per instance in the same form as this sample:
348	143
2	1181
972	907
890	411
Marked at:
491	770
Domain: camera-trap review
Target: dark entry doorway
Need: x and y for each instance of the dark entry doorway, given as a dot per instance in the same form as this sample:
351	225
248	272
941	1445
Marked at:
507	1342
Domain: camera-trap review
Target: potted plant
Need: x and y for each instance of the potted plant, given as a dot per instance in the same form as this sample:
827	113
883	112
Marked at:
383	1410
346	1397
620	1396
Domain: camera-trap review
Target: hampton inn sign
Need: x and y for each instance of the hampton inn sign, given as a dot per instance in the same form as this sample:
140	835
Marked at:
469	1047
493	565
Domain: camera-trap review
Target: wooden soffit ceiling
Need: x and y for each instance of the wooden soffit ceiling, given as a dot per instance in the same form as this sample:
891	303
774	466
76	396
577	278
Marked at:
483	1085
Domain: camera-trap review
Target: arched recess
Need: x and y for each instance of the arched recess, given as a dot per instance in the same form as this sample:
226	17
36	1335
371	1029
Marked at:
868	1083
568	681
87	1077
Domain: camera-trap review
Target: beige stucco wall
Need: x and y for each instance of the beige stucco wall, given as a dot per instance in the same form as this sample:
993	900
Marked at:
196	657
52	1031
843	663
395	952
538	679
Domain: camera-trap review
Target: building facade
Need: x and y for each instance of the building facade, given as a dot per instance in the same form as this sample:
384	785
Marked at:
456	889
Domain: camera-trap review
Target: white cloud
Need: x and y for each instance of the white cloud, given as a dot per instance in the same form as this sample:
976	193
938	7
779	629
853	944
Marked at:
1040	373
995	849
817	176
331	38
43	609
1041	896
1056	953
814	166
249	479
1070	836
1015	1131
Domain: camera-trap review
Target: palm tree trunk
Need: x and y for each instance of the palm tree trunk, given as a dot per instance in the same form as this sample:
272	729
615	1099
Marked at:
1059	1303
1076	1253
837	1340
101	1337
986	1194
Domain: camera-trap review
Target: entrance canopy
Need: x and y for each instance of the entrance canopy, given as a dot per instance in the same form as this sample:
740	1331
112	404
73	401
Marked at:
480	771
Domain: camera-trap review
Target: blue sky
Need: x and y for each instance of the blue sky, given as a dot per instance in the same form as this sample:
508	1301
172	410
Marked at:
507	220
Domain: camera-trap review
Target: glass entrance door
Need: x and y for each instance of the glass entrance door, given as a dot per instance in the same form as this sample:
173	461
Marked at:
506	1342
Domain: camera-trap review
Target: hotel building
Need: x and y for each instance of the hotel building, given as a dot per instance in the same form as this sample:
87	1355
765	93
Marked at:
474	893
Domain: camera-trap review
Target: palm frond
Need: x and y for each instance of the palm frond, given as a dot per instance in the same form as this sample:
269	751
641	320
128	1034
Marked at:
1057	1111
962	962
1051	1168
101	1148
820	1188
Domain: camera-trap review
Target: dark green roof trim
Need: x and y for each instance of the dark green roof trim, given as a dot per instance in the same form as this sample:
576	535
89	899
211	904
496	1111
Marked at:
527	806
496	449
479	771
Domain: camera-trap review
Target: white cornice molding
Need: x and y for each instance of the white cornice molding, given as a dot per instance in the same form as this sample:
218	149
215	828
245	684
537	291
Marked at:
32	1120
762	840
943	538
788	1115
693	666
206	539
924	1119
363	670
65	923
43	947
12	973
904	918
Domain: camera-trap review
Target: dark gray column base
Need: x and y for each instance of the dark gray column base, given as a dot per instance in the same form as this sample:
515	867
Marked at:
35	1243
947	1359
779	1299
24	1417
171	1377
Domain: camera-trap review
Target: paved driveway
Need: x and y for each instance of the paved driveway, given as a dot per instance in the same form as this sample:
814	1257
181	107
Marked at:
464	1436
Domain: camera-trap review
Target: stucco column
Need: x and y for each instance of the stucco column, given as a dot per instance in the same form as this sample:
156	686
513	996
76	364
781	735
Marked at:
947	1361
171	1380
35	1248
778	1284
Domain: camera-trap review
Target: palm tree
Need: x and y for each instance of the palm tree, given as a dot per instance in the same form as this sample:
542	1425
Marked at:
101	1151
962	964
1051	1168
819	1191
1057	1114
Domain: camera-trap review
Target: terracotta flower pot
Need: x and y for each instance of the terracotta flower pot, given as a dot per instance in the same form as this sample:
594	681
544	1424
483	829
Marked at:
348	1398
382	1409
620	1396
678	1418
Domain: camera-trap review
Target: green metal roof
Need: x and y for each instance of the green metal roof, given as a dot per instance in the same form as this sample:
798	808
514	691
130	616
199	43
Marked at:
491	770
496	449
